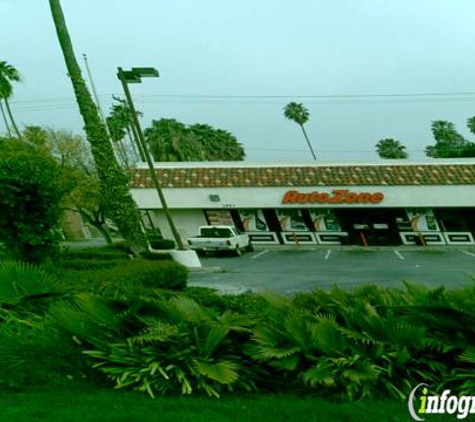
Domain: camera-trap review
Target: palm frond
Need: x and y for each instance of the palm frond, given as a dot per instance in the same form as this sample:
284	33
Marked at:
323	373
327	337
213	339
224	372
361	371
21	281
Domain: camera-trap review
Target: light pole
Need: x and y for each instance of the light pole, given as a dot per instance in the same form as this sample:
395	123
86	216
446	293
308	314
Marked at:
134	76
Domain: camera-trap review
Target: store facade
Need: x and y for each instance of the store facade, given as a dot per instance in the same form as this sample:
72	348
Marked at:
358	204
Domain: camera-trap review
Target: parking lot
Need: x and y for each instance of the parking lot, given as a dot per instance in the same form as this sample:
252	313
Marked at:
290	271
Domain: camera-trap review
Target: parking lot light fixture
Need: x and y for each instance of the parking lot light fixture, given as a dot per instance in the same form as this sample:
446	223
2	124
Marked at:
145	72
134	76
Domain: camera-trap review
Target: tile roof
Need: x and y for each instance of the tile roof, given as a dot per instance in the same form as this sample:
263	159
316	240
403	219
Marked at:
317	175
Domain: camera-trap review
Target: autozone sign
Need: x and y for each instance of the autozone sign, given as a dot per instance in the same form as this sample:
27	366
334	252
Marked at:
336	196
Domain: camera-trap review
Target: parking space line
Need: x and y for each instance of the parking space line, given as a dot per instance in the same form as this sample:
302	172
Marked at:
399	255
259	254
328	254
469	253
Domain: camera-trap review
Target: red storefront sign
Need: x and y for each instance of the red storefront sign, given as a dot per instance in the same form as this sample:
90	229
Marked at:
337	196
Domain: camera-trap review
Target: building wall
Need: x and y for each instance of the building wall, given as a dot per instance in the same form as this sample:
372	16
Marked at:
255	197
186	222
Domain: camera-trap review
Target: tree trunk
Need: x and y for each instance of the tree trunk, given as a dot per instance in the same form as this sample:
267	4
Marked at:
115	193
99	225
9	111
308	142
7	126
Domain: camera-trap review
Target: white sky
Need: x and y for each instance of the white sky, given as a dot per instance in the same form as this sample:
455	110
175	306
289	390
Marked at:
262	53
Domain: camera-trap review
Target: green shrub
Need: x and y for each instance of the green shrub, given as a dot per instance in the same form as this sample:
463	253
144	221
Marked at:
35	355
245	303
94	253
162	244
32	189
162	275
89	264
23	284
177	346
121	246
127	280
153	256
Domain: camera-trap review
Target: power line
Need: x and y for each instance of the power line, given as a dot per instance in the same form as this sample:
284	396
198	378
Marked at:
445	96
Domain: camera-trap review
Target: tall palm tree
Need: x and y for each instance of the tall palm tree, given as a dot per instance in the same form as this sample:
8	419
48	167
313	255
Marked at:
300	115
115	194
8	74
390	148
7	126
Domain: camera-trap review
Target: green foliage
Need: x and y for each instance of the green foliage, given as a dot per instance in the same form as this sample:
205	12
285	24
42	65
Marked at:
119	123
365	342
35	355
85	264
299	114
174	345
390	148
94	253
113	187
153	256
162	244
30	202
137	278
164	274
448	142
22	283
170	140
8	74
247	303
78	174
33	351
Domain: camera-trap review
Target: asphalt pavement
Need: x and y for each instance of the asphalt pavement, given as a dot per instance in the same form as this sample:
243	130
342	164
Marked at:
292	270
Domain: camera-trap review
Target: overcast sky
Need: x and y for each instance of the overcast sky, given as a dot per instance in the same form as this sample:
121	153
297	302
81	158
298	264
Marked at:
235	64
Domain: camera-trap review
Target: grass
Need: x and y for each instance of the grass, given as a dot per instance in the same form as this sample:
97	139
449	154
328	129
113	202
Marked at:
117	406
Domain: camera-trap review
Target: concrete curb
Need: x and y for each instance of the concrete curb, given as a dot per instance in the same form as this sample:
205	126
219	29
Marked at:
214	269
222	289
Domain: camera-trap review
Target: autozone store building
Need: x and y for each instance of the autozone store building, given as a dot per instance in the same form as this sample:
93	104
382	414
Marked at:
360	204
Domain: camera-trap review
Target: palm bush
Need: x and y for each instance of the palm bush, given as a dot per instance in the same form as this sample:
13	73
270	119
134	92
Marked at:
22	284
165	346
352	342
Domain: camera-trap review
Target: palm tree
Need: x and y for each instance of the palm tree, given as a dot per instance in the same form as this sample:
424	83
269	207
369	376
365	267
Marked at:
448	142
300	115
120	123
8	74
114	190
390	148
170	140
217	144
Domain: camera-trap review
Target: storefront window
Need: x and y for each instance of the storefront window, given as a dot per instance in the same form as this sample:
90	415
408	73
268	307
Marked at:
324	220
219	217
291	220
456	220
422	219
253	220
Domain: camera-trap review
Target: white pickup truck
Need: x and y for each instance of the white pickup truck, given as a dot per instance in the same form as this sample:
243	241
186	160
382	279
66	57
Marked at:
220	238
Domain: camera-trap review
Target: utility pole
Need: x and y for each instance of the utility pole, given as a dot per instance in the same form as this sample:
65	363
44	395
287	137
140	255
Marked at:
96	97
